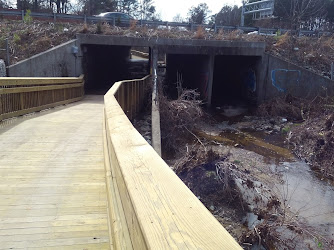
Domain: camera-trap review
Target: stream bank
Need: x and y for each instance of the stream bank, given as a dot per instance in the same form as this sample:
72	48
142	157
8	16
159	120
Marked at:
242	169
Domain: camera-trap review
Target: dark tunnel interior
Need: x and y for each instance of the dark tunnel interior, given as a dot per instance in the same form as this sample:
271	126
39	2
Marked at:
234	80
103	65
192	69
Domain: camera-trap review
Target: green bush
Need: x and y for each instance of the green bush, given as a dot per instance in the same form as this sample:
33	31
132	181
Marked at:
16	38
27	17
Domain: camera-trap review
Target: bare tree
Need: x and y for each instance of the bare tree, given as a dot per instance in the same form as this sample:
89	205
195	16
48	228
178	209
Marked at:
297	11
178	18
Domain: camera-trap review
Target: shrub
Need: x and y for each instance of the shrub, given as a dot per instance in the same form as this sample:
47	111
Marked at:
27	17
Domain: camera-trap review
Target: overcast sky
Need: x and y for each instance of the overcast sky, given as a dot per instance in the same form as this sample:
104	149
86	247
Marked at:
170	8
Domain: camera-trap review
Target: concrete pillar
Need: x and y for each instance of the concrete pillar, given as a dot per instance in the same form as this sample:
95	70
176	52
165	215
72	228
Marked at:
154	57
210	78
156	134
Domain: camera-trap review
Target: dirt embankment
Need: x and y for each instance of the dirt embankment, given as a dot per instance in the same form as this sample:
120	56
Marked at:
311	136
28	39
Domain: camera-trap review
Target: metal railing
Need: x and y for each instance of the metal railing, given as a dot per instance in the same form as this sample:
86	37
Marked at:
190	26
23	95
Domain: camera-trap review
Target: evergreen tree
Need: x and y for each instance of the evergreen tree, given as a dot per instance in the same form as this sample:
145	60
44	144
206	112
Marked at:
199	14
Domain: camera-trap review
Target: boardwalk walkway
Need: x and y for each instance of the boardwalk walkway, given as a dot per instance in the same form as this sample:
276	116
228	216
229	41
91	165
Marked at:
52	189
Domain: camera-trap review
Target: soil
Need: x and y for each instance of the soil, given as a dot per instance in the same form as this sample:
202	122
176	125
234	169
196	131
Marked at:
310	136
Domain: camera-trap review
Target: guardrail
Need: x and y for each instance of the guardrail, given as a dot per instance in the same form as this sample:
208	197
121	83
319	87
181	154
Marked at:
17	14
23	95
149	206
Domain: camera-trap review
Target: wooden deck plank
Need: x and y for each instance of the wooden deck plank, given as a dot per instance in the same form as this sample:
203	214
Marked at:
52	189
42	224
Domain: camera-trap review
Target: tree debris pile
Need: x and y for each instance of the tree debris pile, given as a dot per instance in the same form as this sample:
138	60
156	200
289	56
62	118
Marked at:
178	117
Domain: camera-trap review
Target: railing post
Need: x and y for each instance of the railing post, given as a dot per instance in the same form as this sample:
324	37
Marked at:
54	17
85	19
114	22
22	101
22	15
7	52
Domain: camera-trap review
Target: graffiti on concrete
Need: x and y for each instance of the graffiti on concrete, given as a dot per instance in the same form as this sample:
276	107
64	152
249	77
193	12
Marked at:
284	79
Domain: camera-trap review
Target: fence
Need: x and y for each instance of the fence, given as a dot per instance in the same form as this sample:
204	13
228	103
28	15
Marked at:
17	14
19	96
149	206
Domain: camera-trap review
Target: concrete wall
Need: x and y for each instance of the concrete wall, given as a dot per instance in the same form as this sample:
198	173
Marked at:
58	61
278	77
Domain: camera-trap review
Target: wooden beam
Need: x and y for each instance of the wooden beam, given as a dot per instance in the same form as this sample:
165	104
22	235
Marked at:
19	81
38	88
39	108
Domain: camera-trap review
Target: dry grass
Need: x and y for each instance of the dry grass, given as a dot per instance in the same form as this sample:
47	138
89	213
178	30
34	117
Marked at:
133	24
84	29
200	33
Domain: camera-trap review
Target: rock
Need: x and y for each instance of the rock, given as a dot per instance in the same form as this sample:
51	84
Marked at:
277	128
272	121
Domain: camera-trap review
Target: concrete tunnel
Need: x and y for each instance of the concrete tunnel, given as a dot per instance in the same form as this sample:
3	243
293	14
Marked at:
225	80
103	65
220	79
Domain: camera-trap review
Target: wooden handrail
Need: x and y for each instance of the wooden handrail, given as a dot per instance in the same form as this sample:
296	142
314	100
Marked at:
22	95
149	206
20	81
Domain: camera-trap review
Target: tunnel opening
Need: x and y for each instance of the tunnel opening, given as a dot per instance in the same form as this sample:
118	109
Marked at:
234	80
192	70
103	65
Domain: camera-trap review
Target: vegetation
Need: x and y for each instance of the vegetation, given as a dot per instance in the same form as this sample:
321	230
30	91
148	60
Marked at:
199	14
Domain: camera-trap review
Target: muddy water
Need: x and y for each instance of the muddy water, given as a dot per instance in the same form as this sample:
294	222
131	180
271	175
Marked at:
252	142
308	196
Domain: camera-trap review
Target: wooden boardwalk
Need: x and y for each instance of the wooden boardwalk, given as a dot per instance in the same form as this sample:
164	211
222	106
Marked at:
52	189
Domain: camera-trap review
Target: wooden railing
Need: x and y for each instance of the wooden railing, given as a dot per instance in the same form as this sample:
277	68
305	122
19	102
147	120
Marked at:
22	95
149	206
